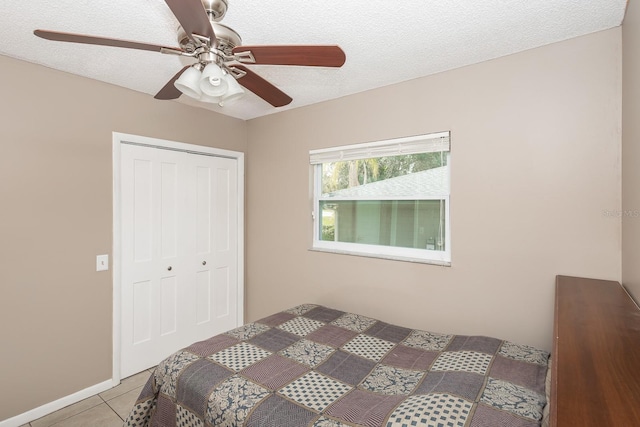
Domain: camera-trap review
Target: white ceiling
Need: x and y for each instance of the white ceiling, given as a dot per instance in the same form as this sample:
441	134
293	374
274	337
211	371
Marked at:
385	42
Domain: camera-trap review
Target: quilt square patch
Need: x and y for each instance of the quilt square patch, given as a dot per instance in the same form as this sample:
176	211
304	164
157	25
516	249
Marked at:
300	326
168	370
331	335
431	410
468	361
140	414
274	372
274	339
388	332
479	344
276	412
369	347
240	356
301	309
489	416
323	314
410	358
232	401
186	418
346	367
308	352
208	347
464	384
427	340
248	331
392	381
150	388
524	353
519	372
315	390
165	412
276	319
197	381
363	408
354	322
513	398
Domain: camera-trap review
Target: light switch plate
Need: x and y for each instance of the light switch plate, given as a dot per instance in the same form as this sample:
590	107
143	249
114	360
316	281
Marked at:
102	262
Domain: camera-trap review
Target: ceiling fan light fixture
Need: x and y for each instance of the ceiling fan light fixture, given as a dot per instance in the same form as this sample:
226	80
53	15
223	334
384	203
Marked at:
189	82
234	90
210	99
212	82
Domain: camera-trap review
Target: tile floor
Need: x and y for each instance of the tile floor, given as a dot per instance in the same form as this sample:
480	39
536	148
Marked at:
106	409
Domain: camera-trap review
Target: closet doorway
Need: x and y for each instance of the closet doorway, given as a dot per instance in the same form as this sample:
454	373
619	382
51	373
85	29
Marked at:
178	234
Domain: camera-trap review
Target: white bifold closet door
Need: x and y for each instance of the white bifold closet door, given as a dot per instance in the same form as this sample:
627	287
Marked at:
179	251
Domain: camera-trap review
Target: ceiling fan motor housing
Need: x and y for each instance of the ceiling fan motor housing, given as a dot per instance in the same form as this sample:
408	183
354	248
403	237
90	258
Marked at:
227	38
216	9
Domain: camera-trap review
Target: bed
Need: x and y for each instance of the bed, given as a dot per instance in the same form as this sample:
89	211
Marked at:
313	365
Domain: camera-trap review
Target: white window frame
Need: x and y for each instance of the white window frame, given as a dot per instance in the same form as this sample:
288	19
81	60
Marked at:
410	145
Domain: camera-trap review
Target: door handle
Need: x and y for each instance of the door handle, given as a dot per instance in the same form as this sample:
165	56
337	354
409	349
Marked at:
170	268
204	262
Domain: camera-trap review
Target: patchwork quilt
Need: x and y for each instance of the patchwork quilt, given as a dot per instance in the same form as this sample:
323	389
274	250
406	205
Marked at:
320	367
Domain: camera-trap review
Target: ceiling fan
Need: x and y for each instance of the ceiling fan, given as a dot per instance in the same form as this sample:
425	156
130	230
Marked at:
219	54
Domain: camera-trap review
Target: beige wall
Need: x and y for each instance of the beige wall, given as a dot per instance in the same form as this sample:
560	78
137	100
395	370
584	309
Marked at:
631	149
56	216
535	163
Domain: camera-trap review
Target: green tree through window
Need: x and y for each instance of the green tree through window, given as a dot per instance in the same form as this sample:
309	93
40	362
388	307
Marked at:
351	173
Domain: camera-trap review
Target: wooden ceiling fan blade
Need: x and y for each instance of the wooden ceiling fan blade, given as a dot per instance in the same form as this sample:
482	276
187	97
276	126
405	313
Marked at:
308	55
169	91
101	41
263	88
192	17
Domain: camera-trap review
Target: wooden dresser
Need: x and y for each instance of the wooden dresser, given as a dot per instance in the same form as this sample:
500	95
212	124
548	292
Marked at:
595	377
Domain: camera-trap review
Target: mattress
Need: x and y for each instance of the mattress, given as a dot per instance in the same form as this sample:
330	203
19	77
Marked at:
313	365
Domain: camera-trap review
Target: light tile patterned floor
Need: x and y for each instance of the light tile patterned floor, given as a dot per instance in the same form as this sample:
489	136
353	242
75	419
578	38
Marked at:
107	409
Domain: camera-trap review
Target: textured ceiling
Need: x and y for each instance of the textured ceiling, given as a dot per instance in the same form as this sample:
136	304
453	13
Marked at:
383	44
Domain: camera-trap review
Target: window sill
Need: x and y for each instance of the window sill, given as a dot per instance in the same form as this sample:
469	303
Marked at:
384	256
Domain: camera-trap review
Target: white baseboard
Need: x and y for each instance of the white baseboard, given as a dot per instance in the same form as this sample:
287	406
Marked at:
56	405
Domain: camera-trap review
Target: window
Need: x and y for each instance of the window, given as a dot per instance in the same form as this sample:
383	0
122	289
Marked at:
386	199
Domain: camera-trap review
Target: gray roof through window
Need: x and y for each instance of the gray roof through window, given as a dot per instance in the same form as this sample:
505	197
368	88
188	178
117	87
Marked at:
426	183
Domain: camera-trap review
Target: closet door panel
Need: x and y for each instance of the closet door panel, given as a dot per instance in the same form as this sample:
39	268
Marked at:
179	261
